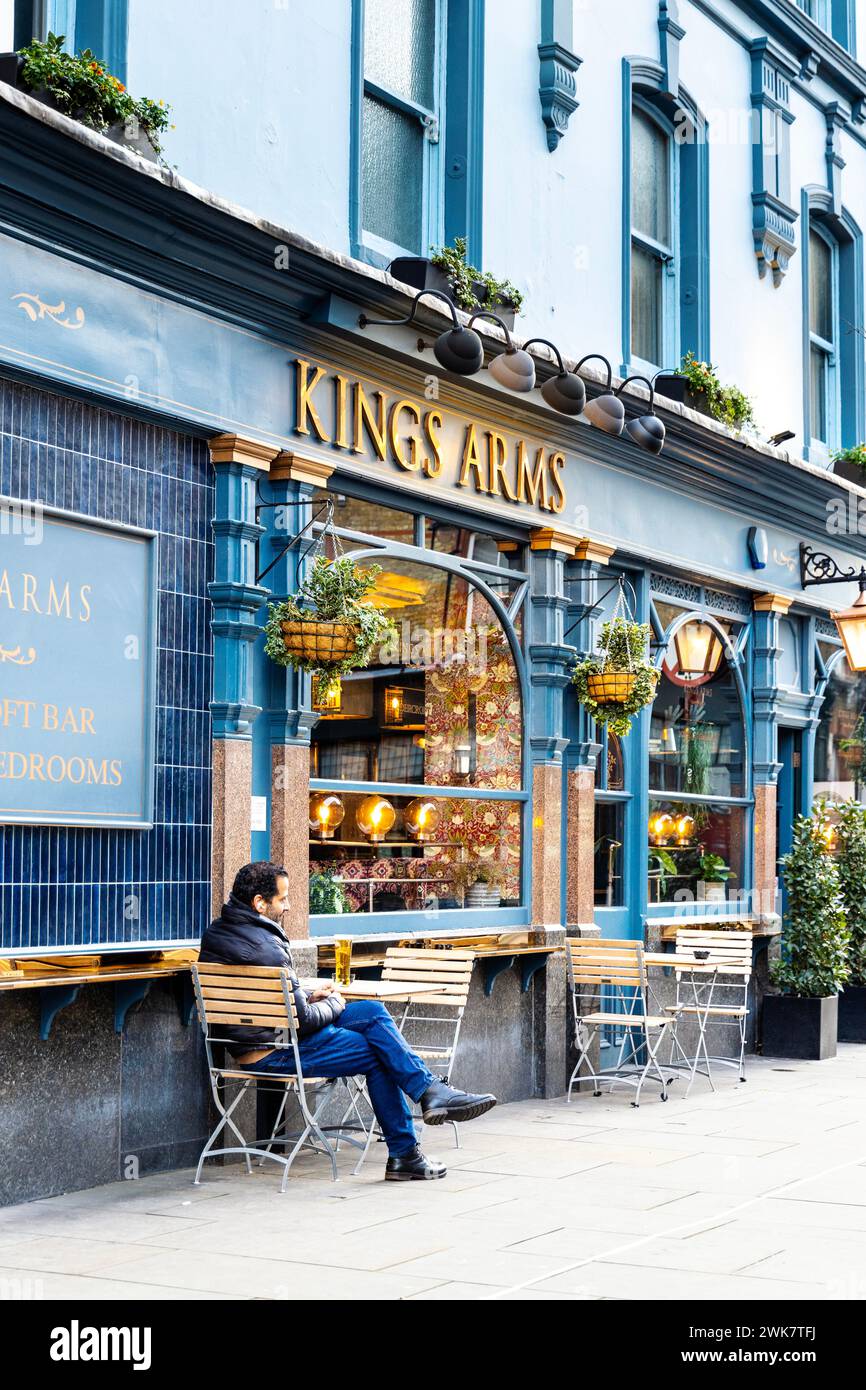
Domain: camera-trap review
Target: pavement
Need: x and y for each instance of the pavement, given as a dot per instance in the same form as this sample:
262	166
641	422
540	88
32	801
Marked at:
754	1192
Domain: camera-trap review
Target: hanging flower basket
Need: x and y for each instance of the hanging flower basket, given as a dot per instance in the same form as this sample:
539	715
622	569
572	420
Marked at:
329	626
617	683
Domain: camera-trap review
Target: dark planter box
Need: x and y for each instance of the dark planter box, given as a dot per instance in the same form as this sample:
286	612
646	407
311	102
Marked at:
795	1027
10	66
850	472
677	388
852	1014
422	274
139	144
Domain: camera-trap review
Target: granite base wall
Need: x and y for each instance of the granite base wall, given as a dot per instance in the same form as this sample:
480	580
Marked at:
91	1106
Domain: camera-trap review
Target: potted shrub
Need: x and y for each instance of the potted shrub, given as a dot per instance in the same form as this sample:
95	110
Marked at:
480	884
802	1020
472	289
329	626
697	385
851	860
850	464
713	875
326	895
661	867
615	685
80	86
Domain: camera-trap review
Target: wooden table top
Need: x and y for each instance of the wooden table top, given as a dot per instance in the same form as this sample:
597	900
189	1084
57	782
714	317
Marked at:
377	989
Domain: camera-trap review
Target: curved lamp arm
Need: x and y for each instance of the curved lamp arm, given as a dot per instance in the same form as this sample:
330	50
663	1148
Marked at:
488	314
554	349
597	357
646	381
364	322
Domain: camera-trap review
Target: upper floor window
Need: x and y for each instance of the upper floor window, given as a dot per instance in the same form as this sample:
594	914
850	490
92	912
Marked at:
100	25
653	261
412	59
823	339
836	16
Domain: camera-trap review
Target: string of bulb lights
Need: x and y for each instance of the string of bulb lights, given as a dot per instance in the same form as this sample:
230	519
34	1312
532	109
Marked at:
459	349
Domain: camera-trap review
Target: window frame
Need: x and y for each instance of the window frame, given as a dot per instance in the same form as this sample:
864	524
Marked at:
366	245
667	256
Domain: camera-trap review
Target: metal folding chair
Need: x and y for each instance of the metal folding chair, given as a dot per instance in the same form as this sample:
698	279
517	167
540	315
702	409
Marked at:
713	970
607	981
261	996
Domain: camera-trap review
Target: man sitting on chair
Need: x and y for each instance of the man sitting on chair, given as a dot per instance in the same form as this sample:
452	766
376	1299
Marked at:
335	1038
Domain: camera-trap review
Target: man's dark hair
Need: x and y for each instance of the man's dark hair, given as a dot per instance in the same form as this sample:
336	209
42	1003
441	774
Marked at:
257	878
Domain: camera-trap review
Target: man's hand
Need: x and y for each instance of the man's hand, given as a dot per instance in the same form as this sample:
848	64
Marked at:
322	993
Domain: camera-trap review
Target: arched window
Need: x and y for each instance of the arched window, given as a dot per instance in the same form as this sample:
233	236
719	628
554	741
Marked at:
698	761
840	740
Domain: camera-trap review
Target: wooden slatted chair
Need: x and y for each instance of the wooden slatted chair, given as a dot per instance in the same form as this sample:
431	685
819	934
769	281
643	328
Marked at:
259	996
433	1036
713	970
608	986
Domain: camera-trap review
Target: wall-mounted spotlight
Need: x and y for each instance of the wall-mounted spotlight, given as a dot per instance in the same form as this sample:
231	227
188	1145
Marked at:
565	392
781	438
606	412
647	431
458	349
513	368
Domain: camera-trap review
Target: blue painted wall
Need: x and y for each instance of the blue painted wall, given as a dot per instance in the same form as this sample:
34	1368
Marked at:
69	886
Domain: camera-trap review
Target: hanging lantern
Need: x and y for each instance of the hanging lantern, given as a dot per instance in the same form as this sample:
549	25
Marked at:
421	818
851	626
375	817
327	697
393	704
326	814
699	650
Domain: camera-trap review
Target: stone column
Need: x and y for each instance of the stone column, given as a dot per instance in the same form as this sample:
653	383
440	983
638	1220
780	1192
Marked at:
550	661
236	597
768	609
293	480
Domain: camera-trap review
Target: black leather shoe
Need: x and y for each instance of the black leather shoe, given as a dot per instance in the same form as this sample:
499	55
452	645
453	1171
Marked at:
413	1165
441	1103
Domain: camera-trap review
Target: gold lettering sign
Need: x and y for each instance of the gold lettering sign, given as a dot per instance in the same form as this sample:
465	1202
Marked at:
421	438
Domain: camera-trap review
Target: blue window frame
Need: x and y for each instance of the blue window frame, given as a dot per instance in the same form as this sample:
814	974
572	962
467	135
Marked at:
100	25
665	286
834	366
823	340
413	61
834	16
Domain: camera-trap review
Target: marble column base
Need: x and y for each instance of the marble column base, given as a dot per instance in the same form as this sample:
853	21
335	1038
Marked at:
547	845
290	831
766	851
580	846
231	813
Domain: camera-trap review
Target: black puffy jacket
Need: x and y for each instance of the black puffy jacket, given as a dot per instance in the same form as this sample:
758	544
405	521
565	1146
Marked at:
239	936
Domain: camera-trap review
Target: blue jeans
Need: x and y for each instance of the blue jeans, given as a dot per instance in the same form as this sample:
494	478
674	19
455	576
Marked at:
365	1041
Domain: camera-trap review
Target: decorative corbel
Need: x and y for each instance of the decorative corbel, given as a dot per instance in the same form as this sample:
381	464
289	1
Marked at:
559	64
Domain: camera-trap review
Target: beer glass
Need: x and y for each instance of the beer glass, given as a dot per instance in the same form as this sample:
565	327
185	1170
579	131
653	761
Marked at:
342	959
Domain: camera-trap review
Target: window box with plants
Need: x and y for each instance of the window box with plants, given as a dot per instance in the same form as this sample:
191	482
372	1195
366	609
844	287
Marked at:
447	269
802	1019
697	385
330	626
851	859
850	464
81	87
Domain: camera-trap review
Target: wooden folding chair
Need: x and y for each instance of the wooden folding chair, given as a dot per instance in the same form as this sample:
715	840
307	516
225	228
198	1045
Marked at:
608	985
260	996
713	970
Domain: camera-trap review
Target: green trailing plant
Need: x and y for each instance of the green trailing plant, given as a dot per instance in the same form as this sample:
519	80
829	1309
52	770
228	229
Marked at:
856	454
815	939
326	895
727	404
698	759
81	86
623	647
665	865
713	869
334	591
464	278
851	862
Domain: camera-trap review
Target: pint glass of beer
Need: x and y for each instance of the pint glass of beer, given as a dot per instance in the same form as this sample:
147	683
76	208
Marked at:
342	959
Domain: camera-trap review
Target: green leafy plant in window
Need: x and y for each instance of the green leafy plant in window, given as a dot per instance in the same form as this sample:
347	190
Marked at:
330	625
81	87
326	895
662	866
617	683
855	455
698	750
713	869
465	278
851	862
815	938
852	748
728	404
